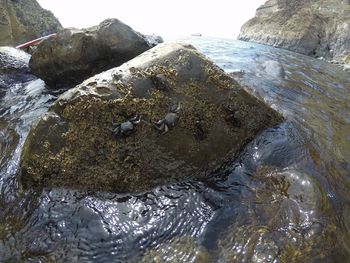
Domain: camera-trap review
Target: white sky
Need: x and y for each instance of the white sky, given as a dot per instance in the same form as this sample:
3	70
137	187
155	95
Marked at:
169	19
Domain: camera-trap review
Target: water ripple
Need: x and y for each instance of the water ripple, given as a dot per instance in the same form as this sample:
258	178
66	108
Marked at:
285	199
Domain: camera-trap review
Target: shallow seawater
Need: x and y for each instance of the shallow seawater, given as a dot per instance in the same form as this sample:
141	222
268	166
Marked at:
285	199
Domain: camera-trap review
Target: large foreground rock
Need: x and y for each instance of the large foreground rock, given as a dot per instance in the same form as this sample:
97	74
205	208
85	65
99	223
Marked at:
76	54
24	20
73	146
318	28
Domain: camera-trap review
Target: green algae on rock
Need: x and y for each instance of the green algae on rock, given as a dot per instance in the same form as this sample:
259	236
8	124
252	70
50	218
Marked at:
179	249
73	146
21	21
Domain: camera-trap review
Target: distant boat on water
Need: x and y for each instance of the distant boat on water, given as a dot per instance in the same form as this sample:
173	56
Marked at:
196	35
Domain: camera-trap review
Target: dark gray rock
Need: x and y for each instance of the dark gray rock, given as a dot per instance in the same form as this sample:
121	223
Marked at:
76	54
193	120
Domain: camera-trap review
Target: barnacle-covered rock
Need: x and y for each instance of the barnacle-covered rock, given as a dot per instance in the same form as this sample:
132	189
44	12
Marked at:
73	145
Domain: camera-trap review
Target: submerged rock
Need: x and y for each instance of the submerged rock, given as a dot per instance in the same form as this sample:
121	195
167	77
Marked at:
283	221
274	69
21	21
76	54
179	249
315	28
176	116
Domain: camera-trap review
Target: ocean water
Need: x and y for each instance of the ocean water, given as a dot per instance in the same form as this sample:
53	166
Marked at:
285	199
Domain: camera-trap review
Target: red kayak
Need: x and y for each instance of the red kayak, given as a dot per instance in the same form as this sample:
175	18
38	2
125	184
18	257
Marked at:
35	41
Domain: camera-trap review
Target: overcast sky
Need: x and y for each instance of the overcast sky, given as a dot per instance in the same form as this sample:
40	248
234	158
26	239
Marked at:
219	18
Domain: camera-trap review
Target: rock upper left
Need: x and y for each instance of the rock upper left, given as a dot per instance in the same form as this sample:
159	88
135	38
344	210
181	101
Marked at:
74	54
21	21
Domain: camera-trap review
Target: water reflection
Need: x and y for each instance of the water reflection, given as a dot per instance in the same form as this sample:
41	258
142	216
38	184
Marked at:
283	200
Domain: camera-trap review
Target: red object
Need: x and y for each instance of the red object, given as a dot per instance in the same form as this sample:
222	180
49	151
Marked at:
35	41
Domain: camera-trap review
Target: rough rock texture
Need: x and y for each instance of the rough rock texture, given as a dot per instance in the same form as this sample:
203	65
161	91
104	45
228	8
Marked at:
76	54
24	20
318	28
73	146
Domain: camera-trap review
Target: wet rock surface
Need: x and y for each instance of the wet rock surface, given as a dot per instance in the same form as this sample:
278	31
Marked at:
287	204
76	54
316	28
13	60
169	114
21	21
13	68
186	251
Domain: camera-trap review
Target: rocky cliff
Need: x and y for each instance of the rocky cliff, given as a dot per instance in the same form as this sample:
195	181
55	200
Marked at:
21	21
318	28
